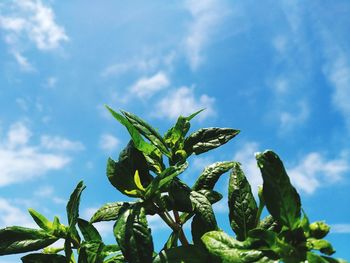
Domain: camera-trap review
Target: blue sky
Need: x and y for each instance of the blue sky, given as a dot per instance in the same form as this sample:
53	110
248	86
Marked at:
279	72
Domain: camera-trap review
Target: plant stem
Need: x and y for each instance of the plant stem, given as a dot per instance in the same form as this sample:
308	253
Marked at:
175	227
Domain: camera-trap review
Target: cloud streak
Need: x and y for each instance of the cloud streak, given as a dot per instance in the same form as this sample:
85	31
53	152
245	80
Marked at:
183	101
21	161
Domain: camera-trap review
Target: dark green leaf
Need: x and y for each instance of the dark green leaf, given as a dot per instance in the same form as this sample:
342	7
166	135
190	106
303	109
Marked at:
207	139
133	235
73	204
148	131
211	175
204	219
44	258
179	193
110	211
228	249
121	173
91	252
41	220
241	202
269	223
139	142
211	195
282	200
110	249
20	239
164	179
89	232
182	254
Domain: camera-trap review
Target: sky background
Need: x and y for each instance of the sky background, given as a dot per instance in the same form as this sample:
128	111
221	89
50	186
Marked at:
278	71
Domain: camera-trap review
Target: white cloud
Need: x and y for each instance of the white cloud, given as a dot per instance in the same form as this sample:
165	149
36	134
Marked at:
12	215
146	87
33	20
20	161
61	144
108	142
182	101
206	16
17	135
314	171
340	228
23	62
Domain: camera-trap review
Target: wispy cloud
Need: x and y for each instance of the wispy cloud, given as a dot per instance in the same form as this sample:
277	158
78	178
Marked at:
314	171
12	215
337	71
60	144
148	86
21	161
183	101
340	228
108	142
206	17
34	21
30	21
23	62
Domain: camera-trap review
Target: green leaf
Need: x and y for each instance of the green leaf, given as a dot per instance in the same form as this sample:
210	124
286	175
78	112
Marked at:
139	142
314	258
212	196
164	179
211	175
91	252
41	220
319	229
269	223
228	249
18	239
89	232
282	200
148	131
186	254
121	173
133	235
207	139
320	244
44	258
115	259
242	205
179	194
73	204
204	219
175	137
110	211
